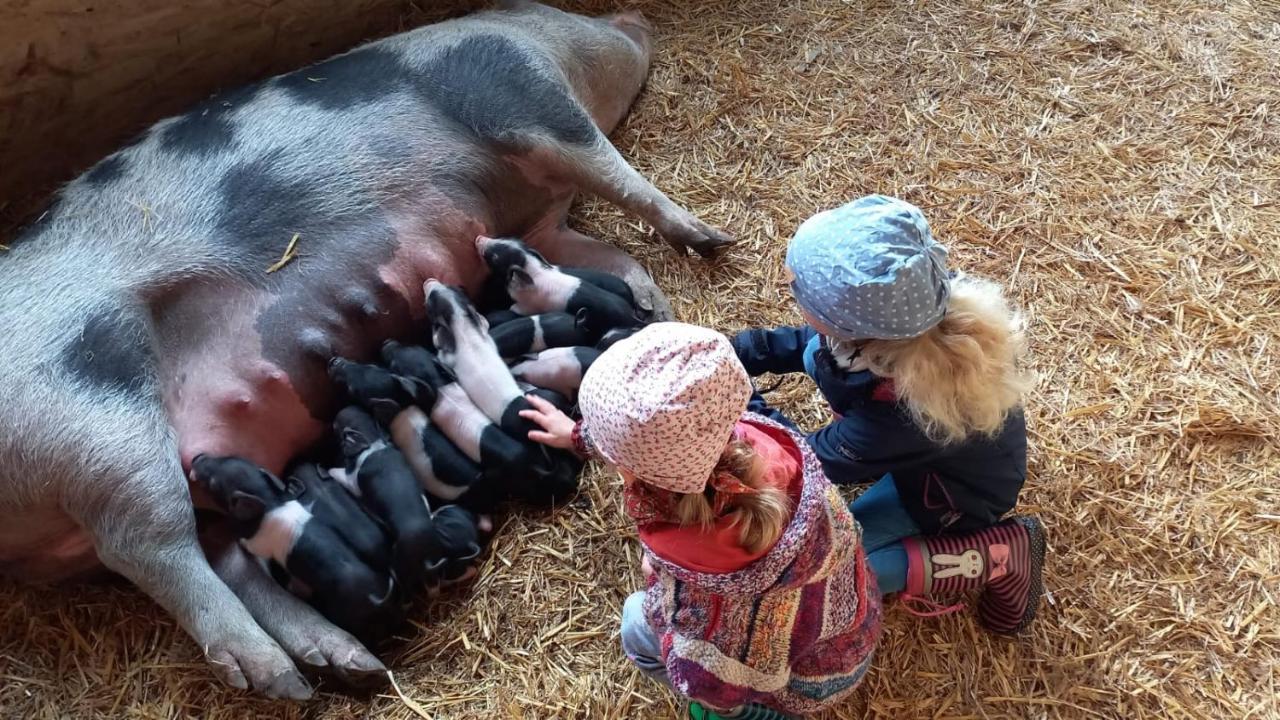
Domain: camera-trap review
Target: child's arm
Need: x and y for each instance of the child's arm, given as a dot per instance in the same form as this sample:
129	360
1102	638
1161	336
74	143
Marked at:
860	449
780	350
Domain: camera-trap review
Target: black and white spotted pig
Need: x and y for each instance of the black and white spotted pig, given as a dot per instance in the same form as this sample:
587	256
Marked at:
275	525
333	505
444	472
534	333
461	337
560	369
512	465
536	286
378	474
141	327
375	389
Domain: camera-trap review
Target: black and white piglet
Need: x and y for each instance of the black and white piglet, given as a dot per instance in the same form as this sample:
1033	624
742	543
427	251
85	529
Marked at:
535	333
379	392
274	525
514	464
463	344
379	475
330	503
536	286
558	369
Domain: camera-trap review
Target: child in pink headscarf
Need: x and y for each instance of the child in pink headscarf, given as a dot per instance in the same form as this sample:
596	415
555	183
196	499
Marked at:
759	599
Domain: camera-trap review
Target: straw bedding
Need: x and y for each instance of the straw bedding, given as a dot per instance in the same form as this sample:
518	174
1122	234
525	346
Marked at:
1114	163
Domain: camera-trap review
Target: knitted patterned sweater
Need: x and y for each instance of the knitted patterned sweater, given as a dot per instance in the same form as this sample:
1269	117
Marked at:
793	630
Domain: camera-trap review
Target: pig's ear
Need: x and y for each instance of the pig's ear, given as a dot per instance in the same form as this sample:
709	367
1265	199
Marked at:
273	481
519	277
294	486
384	410
245	507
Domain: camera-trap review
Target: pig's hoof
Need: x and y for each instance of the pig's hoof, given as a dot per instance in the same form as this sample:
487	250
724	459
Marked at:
338	652
359	667
693	234
269	672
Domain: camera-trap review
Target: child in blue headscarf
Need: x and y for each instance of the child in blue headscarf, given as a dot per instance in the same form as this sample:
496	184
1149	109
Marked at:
921	370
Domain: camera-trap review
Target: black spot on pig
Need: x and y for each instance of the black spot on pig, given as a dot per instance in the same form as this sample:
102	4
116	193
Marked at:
358	76
487	84
111	352
261	210
208	128
106	171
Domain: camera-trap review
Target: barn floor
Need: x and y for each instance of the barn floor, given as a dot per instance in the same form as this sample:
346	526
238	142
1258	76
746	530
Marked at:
1117	164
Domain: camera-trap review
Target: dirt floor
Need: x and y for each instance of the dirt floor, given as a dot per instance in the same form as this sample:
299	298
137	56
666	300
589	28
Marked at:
1115	164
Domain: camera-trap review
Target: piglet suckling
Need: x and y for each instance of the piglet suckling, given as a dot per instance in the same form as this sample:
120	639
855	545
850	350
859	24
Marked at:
274	525
536	286
386	484
379	392
463	344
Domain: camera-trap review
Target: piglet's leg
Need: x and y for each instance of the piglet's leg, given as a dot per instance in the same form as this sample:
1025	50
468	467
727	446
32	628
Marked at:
600	169
564	246
138	511
304	633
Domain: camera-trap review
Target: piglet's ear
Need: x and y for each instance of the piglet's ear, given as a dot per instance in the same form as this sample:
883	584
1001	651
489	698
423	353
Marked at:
245	507
294	486
519	277
273	481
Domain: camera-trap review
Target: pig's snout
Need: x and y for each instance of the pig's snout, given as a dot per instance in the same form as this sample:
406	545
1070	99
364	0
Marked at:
482	243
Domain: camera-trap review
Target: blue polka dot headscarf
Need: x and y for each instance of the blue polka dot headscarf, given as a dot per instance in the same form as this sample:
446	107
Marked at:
870	270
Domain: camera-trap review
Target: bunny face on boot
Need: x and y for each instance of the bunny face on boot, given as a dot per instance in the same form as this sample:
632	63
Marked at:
969	564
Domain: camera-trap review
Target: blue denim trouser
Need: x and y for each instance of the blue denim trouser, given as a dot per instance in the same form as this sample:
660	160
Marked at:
885	522
641	644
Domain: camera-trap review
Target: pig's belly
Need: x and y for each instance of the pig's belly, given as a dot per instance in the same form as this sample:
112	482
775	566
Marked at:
243	368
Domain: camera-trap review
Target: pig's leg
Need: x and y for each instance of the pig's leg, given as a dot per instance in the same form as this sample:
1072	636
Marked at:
564	246
138	511
599	168
302	631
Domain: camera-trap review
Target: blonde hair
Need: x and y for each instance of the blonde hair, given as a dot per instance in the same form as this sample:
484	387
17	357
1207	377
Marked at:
760	515
962	376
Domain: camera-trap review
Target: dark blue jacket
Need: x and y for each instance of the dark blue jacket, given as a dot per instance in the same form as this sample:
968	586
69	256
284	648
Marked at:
961	486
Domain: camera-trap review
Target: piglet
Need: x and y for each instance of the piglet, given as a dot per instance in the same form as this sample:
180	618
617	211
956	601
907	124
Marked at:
604	281
443	470
524	468
379	475
535	333
463	344
273	525
333	505
536	286
558	369
379	392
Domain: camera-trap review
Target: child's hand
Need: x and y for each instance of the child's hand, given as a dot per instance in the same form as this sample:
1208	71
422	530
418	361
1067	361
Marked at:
557	428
